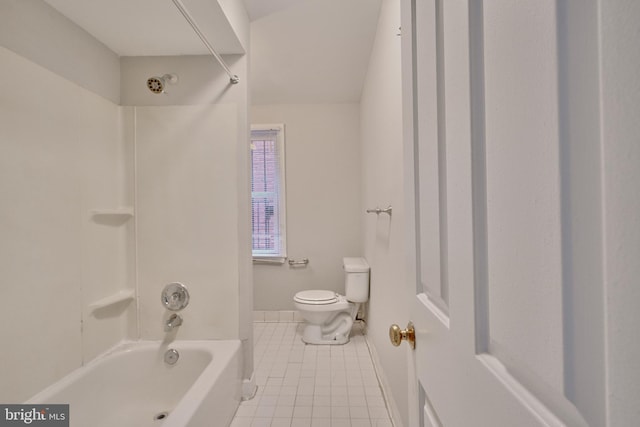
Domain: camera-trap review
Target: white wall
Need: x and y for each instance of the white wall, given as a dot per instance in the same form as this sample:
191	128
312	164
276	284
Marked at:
61	155
37	31
382	185
322	145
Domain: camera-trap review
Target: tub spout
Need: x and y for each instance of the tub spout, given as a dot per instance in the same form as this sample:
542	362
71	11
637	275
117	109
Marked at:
173	322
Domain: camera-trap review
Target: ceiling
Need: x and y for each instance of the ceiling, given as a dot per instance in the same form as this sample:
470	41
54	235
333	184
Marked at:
310	51
302	51
152	27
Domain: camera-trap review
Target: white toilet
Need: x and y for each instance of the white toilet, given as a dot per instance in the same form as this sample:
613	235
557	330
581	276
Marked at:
329	315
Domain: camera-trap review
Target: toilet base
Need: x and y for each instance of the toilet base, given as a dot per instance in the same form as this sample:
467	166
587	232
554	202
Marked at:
313	335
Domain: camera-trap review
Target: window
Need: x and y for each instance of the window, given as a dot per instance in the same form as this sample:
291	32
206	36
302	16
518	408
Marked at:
267	192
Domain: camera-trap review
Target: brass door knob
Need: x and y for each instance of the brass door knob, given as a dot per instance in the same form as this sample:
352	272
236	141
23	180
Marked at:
397	335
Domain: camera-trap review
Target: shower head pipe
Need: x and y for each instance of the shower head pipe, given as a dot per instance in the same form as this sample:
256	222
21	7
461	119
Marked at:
232	77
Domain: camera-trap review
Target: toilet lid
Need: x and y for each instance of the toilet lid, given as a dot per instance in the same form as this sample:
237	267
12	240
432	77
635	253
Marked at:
316	297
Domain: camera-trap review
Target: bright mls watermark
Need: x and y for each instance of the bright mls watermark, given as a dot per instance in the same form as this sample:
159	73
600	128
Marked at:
34	415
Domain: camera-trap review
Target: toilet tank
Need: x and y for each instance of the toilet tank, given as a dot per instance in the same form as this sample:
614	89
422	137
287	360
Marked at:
356	279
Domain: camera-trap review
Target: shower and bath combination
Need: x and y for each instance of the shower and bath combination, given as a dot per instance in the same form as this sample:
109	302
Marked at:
158	85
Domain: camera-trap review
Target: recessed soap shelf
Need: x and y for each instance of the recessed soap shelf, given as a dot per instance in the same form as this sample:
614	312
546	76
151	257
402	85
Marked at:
118	297
111	217
125	211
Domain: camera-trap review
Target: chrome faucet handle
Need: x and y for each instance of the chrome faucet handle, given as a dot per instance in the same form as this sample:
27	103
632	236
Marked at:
175	296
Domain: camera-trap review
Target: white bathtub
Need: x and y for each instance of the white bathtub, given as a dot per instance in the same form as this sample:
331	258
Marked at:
132	385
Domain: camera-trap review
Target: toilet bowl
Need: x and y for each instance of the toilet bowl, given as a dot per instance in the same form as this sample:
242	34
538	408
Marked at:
329	316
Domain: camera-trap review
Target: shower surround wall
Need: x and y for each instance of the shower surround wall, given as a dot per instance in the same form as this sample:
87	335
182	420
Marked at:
190	208
186	233
65	151
62	155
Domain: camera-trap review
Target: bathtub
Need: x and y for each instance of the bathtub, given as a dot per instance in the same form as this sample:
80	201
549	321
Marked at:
132	386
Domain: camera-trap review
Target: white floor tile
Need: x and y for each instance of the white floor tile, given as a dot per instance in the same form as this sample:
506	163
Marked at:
321	400
340	412
283	412
360	423
302	411
261	422
321	412
303	385
272	390
358	412
355	400
268	401
304	400
375	401
322	391
378	412
288	390
241	422
281	422
372	391
339	401
265	411
306	390
245	411
286	400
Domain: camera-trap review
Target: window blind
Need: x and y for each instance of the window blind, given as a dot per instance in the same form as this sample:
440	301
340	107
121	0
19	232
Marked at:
267	193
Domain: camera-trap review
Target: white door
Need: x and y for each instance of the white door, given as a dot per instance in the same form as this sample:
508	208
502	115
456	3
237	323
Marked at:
503	158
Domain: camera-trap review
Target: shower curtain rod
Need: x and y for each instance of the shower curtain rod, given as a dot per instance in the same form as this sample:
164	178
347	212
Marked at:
232	77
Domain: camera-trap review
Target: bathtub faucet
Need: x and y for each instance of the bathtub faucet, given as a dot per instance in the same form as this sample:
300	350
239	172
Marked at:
173	322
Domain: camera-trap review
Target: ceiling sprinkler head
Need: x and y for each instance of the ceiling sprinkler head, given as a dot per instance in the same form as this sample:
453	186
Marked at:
159	84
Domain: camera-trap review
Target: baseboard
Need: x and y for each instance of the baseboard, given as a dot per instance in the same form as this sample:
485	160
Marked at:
394	412
277	316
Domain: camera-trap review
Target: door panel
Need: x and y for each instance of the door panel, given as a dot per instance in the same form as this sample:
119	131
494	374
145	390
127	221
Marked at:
429	415
431	191
524	302
485	145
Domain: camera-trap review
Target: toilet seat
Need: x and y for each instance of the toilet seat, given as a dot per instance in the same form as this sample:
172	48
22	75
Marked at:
316	297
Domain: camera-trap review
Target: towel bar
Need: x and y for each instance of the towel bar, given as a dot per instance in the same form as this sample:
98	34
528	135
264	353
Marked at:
378	211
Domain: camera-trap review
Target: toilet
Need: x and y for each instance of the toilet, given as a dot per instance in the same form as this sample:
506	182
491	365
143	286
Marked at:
329	316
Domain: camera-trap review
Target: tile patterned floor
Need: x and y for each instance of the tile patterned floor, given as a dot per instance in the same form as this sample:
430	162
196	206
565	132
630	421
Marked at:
312	385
